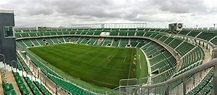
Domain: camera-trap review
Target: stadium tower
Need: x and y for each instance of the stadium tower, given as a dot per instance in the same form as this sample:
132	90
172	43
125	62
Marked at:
7	38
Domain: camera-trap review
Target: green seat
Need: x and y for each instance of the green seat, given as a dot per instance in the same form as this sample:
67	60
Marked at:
35	91
7	86
41	88
21	86
24	91
11	92
19	82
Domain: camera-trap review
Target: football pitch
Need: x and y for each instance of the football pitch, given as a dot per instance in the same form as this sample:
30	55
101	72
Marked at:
101	66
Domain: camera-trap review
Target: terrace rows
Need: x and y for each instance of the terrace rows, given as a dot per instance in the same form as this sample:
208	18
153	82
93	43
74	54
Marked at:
209	36
162	62
205	35
151	48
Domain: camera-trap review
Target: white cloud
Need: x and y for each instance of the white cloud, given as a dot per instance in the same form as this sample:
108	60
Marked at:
157	13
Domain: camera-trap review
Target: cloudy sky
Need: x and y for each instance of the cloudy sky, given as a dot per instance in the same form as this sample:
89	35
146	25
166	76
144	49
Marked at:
157	13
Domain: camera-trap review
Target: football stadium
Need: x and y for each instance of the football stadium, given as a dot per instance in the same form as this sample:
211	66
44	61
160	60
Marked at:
107	59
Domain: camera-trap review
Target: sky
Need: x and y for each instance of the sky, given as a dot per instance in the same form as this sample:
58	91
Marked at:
156	13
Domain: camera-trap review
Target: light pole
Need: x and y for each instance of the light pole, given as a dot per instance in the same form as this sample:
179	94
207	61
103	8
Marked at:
214	26
16	67
12	62
145	24
38	73
197	26
3	60
32	72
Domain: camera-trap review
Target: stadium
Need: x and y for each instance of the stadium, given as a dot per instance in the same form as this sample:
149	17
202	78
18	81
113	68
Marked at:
107	59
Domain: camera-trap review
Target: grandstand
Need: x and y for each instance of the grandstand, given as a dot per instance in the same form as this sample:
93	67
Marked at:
168	55
156	61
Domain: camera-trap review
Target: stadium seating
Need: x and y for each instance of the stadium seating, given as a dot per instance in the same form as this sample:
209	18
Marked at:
158	37
19	65
114	33
152	49
22	87
123	42
163	64
46	33
83	41
77	40
214	41
163	76
184	48
63	32
67	39
168	40
26	34
97	32
92	41
18	30
174	43
150	34
163	38
41	88
123	33
90	33
41	41
33	30
8	89
204	87
140	33
107	42
116	42
207	36
34	41
28	43
71	39
191	55
131	33
68	86
202	35
20	82
43	68
32	34
193	33
18	35
61	40
72	32
33	88
142	43
49	41
83	33
20	60
54	40
187	68
184	32
133	42
26	30
194	56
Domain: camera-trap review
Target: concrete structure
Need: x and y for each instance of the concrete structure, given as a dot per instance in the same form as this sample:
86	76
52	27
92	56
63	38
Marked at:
7	37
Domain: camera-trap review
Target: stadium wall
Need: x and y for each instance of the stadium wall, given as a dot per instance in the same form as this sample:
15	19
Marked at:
7	44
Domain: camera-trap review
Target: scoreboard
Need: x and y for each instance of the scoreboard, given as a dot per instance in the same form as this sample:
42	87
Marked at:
175	27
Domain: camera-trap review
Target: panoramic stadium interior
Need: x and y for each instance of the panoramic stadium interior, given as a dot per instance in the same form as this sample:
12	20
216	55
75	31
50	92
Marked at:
107	59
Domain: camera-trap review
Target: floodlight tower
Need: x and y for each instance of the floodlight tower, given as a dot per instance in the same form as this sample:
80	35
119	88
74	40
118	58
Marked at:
7	37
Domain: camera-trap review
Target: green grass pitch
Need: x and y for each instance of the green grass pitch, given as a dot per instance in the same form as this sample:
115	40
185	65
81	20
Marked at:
101	66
